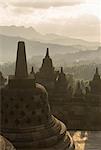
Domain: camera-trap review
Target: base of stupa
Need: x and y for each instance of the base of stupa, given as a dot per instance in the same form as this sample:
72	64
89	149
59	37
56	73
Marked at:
51	136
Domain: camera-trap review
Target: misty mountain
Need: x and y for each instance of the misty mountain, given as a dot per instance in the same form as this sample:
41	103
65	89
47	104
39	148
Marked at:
28	33
72	59
81	64
79	58
83	72
8	48
31	34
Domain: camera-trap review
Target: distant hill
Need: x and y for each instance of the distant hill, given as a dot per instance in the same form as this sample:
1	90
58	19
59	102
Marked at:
71	59
78	58
64	51
8	48
31	34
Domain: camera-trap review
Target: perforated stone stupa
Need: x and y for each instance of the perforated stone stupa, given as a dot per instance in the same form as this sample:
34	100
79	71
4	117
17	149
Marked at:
46	74
26	119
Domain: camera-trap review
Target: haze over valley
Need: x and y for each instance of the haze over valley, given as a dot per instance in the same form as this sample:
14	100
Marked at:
37	43
64	51
70	29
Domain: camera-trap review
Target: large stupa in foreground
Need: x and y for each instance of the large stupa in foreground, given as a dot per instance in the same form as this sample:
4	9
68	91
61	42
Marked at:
26	119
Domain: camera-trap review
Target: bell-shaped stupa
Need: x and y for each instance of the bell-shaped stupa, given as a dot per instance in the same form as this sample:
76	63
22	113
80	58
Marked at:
26	119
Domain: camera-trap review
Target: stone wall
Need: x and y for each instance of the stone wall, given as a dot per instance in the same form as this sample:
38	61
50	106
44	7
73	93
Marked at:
78	113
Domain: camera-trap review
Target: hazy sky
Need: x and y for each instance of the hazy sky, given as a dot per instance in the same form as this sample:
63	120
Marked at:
75	18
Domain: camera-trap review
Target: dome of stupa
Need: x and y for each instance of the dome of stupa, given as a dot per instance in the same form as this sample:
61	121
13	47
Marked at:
26	119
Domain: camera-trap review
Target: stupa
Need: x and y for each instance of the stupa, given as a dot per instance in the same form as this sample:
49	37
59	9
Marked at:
78	90
46	74
26	118
95	84
61	82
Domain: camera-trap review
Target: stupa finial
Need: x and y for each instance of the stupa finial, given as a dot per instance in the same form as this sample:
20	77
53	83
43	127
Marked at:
61	69
97	71
47	52
21	62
